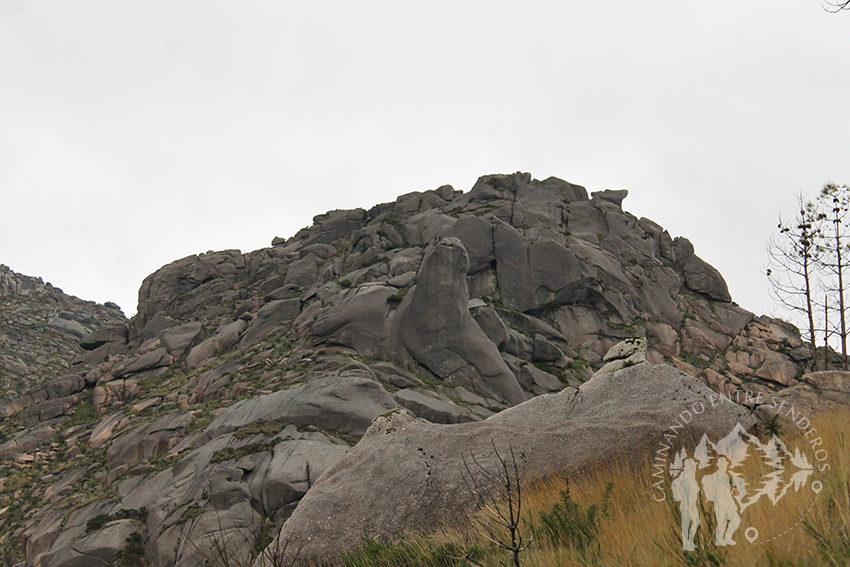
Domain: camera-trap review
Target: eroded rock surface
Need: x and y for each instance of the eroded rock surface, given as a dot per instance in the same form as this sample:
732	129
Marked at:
244	376
406	473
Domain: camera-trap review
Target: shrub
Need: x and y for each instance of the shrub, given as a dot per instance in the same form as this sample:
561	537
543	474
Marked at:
101	520
567	524
395	300
229	453
417	552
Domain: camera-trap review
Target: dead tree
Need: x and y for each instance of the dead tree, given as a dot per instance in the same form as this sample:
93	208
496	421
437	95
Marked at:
836	5
794	254
497	492
834	202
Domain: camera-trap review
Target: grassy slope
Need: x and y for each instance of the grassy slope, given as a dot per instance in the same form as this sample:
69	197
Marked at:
636	530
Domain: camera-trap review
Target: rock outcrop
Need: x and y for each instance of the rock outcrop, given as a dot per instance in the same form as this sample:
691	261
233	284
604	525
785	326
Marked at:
436	328
44	332
406	474
244	376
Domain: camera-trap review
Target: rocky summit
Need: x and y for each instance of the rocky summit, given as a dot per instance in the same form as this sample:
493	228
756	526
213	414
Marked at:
335	382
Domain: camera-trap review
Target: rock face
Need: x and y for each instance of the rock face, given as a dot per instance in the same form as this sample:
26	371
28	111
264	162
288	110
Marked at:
43	332
406	473
624	354
439	332
244	376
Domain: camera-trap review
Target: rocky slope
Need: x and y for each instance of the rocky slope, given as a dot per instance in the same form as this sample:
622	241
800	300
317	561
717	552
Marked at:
244	376
40	330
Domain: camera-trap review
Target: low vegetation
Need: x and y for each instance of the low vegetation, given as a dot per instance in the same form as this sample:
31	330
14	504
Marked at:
609	517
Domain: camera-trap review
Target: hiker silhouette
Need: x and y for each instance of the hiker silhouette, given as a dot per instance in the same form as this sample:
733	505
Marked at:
717	488
686	490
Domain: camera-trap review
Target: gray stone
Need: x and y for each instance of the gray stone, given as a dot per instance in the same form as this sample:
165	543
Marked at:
406	474
99	549
537	275
288	291
424	227
304	272
359	321
498	186
46	411
428	405
611	195
586	221
103	430
26	442
406	279
437	329
40	539
513	268
179	340
322	251
816	394
336	403
148	440
704	278
406	260
270	317
544	350
491	324
154	359
537	381
390	374
185	287
624	354
537	207
565	190
114	331
71	327
476	234
294	468
777	368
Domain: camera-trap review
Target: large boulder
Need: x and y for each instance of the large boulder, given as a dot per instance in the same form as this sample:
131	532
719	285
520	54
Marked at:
346	404
114	331
359	321
179	340
407	474
476	234
99	549
146	441
540	274
436	327
817	393
186	286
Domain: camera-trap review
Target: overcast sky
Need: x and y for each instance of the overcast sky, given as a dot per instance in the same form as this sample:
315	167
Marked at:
136	133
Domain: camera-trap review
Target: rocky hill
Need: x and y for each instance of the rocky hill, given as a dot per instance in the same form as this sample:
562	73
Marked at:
40	330
245	376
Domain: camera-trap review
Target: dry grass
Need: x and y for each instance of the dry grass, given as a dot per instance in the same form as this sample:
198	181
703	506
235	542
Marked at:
640	531
807	530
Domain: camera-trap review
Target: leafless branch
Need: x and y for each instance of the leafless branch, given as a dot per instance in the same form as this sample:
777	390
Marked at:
497	492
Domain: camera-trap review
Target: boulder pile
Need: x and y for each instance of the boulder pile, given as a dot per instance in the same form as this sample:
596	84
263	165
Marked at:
470	317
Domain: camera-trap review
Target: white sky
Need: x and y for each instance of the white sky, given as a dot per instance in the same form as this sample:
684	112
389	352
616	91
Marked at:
135	133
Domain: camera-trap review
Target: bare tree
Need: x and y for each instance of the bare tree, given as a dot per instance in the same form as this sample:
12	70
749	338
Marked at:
497	492
793	257
834	202
837	5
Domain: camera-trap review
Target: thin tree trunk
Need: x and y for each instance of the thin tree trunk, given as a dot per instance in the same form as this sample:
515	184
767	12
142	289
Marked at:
841	299
810	314
826	331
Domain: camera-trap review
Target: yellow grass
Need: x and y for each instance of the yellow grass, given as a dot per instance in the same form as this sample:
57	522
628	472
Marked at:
640	531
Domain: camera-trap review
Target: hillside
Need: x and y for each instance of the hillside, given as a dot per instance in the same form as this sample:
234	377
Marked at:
244	376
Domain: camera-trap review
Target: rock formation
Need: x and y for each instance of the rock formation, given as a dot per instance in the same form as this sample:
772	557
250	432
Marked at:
406	474
244	376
